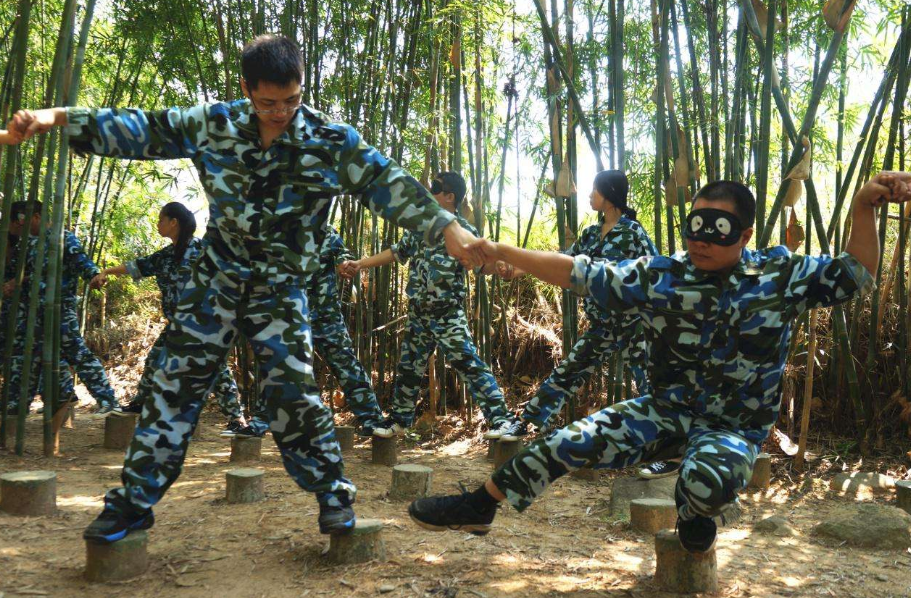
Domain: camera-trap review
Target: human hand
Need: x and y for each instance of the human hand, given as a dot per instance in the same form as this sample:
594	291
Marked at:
349	268
98	281
461	244
505	271
25	124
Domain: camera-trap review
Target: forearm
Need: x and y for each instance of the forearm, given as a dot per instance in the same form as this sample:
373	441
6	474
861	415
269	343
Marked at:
863	242
548	266
120	270
380	259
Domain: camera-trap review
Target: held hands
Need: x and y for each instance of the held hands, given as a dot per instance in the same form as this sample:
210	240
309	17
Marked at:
460	244
349	268
98	281
505	271
886	187
25	124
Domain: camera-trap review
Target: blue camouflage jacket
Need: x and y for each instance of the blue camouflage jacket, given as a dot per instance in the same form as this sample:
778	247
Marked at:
170	275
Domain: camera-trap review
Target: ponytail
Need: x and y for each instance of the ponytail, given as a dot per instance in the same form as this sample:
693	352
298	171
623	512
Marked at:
186	223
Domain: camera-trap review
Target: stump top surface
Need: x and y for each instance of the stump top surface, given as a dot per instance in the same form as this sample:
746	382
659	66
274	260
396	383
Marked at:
903	484
136	538
242	440
246	472
667	537
654	503
763	456
412	468
28	476
366	526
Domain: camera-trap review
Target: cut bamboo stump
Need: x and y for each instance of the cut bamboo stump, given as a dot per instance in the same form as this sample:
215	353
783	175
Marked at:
682	572
345	437
903	490
118	430
410	482
385	451
362	544
651	515
246	449
28	493
244	485
506	450
762	472
120	560
491	449
69	421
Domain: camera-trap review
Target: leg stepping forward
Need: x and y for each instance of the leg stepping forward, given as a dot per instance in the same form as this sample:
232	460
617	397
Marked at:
651	515
28	493
505	450
679	571
246	449
903	490
117	561
762	472
345	437
410	482
244	485
118	431
362	544
385	451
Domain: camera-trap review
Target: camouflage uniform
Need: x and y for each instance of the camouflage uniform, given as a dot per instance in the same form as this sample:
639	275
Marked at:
171	276
607	332
267	212
718	347
436	294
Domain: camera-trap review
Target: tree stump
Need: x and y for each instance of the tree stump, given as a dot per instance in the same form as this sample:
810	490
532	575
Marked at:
506	450
651	515
244	485
362	544
197	431
345	437
246	449
118	430
117	561
385	451
903	490
491	448
762	472
410	482
682	572
69	421
586	473
28	493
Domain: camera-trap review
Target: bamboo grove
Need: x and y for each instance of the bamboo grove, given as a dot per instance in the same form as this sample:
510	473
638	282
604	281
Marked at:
518	96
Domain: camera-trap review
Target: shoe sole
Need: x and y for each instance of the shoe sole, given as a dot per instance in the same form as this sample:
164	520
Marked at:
111	538
493	435
477	529
656	476
227	435
712	547
342	528
511	437
384	434
120	413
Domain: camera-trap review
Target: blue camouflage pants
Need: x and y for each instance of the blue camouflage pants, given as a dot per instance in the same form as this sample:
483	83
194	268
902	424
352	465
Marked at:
77	354
212	309
448	328
717	462
594	348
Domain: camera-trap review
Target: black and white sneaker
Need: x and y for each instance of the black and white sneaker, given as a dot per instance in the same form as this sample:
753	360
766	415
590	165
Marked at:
658	469
128	409
454	512
231	429
388	428
516	430
248	432
103	410
110	526
496	431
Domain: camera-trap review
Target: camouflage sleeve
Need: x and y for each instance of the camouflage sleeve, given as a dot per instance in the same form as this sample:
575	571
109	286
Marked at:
823	281
388	190
333	249
136	134
405	248
76	260
614	286
150	265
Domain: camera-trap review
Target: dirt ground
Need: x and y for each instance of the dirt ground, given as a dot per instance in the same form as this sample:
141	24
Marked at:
202	547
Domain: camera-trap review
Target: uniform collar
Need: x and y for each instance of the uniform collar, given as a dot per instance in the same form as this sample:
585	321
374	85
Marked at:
746	267
298	132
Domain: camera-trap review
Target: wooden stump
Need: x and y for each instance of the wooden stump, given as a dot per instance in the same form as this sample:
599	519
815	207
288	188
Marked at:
762	472
679	571
345	437
651	515
410	482
362	544
491	449
385	451
586	473
197	431
903	490
244	485
505	450
69	420
118	430
246	449
124	559
28	493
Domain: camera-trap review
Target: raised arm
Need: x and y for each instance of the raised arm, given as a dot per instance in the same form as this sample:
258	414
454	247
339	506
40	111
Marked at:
863	242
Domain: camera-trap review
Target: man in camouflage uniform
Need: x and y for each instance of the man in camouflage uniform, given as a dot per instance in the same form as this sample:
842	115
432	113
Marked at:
270	167
436	316
718	319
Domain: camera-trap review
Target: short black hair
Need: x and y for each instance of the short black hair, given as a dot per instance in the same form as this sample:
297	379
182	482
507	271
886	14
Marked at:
740	194
274	59
21	207
453	183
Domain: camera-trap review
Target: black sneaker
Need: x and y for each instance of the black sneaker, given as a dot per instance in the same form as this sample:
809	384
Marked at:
697	535
111	526
441	513
516	430
128	409
658	469
335	519
248	432
231	429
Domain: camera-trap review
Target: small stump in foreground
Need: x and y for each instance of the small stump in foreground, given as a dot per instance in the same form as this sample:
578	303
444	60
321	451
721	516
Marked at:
385	451
345	437
124	559
118	430
362	544
244	485
246	449
651	515
762	472
410	482
28	493
679	571
903	490
505	450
